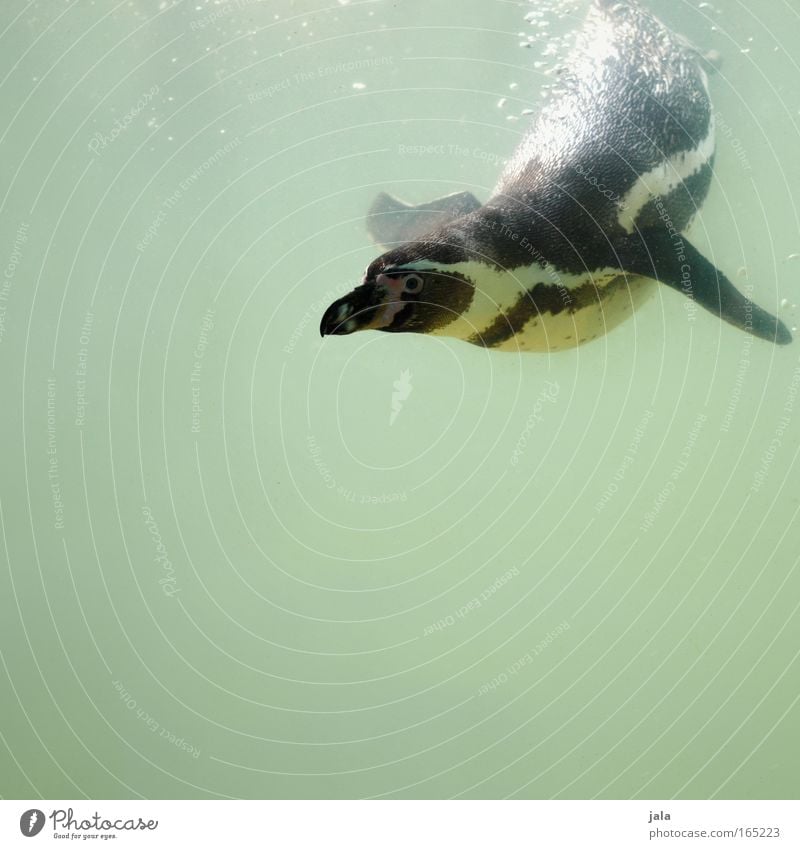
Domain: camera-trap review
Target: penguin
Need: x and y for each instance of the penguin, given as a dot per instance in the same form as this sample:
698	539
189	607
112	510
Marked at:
587	218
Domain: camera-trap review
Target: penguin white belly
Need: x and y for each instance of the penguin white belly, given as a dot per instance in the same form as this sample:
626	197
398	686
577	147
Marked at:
537	309
615	302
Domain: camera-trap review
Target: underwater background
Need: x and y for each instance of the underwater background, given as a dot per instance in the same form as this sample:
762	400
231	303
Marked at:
238	560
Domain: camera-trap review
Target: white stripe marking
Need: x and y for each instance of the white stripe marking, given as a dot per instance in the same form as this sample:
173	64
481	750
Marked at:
497	292
661	180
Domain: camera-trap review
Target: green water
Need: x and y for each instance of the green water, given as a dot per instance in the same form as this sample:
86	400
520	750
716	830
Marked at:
232	565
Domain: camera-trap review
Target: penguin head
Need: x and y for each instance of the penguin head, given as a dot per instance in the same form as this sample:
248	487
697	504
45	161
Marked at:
400	295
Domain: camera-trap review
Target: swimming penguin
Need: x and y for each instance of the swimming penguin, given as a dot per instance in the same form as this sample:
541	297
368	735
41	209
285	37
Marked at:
586	218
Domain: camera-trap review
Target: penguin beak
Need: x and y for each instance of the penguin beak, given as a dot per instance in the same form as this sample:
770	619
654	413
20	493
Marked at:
372	305
350	313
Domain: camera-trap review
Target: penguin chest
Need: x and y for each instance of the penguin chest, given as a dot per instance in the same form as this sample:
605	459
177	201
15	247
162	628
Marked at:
594	311
541	310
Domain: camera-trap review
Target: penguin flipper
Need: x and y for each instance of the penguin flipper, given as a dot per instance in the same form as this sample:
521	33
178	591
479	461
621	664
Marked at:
673	260
391	222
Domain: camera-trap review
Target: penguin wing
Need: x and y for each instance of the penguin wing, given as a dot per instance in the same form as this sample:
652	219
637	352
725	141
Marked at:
391	221
677	263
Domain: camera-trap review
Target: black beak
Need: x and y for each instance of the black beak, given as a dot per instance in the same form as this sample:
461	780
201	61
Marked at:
351	312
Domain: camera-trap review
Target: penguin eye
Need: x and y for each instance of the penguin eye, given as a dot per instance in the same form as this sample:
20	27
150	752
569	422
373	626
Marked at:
413	283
